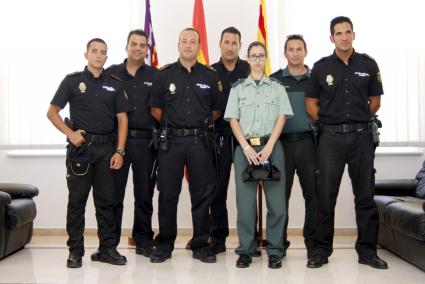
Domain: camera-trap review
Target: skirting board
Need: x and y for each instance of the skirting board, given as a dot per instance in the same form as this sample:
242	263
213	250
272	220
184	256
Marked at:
184	232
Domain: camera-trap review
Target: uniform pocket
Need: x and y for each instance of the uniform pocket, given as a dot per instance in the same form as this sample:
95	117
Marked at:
271	109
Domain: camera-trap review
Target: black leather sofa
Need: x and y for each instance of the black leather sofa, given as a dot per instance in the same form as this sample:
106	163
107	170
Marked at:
17	212
401	219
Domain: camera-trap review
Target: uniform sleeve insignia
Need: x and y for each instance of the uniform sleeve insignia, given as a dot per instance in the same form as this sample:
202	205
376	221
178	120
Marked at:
125	94
82	87
220	86
378	75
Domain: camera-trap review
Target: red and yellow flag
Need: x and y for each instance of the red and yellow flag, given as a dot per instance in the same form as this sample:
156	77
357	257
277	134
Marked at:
262	33
198	23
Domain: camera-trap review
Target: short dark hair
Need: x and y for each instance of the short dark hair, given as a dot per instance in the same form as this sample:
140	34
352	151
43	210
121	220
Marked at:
295	37
339	20
138	32
257	43
190	30
96	39
231	30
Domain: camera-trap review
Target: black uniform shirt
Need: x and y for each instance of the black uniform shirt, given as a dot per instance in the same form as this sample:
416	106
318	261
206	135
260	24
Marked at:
93	102
343	90
228	78
187	98
138	88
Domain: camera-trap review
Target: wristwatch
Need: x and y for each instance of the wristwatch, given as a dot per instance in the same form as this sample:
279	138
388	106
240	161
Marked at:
121	152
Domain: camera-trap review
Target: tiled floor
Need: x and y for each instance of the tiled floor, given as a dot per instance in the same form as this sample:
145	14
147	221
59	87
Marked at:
43	261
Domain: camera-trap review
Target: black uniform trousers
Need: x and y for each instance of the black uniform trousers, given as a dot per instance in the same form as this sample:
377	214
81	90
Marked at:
192	152
219	221
100	176
357	150
141	159
301	157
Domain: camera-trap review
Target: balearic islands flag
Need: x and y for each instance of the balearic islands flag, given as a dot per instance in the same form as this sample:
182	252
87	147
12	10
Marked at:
262	33
198	23
151	56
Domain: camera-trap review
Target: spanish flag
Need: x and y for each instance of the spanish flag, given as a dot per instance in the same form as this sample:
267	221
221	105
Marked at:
199	24
262	32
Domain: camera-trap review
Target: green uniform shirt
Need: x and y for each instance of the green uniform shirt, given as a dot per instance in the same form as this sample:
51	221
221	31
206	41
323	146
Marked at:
257	107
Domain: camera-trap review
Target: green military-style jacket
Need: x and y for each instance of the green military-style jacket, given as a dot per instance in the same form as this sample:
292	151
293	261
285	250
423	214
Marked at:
257	107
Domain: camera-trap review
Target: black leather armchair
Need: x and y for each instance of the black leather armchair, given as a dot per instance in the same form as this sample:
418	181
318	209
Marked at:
17	212
401	219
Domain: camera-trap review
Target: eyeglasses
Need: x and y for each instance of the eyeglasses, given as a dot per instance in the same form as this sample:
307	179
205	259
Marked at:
254	57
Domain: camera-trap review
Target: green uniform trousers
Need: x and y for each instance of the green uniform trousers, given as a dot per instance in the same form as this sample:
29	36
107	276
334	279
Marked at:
246	202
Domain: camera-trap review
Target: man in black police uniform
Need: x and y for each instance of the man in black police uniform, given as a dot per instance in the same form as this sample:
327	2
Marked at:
230	68
138	79
96	101
342	95
185	101
297	137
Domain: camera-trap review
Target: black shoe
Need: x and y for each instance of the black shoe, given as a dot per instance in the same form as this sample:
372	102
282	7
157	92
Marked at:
74	261
160	255
145	250
316	261
275	261
257	253
112	256
95	255
204	254
243	261
373	261
217	246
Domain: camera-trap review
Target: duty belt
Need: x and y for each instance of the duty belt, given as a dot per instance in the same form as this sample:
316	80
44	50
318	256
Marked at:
297	136
180	132
344	127
140	133
258	141
95	138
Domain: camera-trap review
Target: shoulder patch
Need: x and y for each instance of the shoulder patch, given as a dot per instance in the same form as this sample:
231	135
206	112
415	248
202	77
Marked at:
115	77
165	67
237	82
210	68
73	74
367	56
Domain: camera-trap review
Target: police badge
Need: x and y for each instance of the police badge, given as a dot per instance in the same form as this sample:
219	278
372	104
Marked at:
82	87
329	80
172	88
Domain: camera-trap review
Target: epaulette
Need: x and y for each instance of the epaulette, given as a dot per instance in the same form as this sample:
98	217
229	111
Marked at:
73	74
210	68
275	73
115	77
367	56
237	82
321	59
276	80
165	67
112	67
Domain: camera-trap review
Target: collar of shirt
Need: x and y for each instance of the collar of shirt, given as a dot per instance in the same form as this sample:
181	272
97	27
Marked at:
285	73
89	75
250	81
194	67
224	67
353	56
122	68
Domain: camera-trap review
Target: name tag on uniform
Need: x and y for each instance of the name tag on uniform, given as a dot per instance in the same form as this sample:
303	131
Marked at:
362	74
149	84
203	86
109	89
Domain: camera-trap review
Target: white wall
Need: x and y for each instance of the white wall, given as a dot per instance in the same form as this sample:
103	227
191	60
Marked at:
48	173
